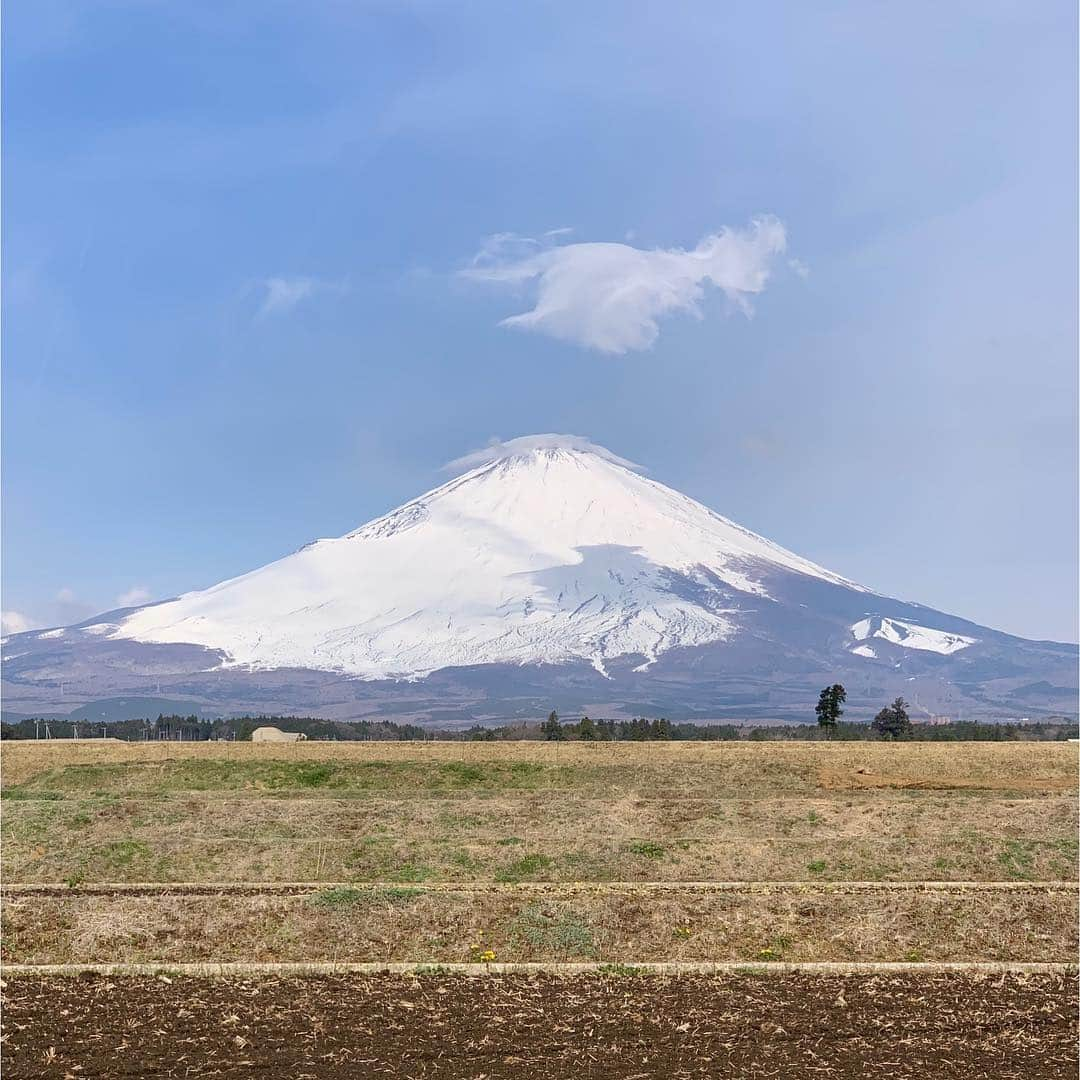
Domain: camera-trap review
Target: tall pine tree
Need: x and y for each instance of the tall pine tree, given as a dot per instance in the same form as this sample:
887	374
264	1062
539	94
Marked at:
828	708
552	729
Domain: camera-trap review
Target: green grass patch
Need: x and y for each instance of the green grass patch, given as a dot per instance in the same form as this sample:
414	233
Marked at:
459	774
465	860
552	928
343	897
411	872
281	777
1016	858
647	849
117	860
527	769
122	853
525	868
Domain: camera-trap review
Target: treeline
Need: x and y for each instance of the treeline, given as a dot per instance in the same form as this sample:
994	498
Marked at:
954	731
585	729
195	729
644	730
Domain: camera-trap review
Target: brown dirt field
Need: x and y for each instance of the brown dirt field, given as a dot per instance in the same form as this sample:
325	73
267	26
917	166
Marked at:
606	923
848	779
946	1026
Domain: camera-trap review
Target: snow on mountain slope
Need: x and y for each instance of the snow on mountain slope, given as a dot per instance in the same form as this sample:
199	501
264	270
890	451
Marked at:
909	635
552	551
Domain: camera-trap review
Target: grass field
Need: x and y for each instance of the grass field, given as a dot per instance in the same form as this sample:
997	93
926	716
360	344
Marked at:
417	813
611	854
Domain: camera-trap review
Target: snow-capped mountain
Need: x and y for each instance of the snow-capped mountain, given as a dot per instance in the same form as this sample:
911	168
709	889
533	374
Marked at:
545	555
548	560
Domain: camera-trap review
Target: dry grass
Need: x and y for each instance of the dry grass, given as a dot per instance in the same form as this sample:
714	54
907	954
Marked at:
452	812
406	815
775	764
612	924
250	841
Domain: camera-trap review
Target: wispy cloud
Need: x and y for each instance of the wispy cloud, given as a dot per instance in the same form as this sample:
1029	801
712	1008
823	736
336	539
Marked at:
62	609
610	296
282	294
499	449
137	594
15	622
65	607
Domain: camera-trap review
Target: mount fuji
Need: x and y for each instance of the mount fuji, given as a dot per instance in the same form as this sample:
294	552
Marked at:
550	573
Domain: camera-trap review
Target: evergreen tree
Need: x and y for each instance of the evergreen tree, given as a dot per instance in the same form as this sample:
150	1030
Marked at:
661	729
587	730
552	729
828	708
892	722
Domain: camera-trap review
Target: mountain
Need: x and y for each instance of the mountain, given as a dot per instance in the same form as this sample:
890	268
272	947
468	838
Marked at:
550	573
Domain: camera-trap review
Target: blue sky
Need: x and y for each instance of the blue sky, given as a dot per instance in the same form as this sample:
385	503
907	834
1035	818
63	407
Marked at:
236	317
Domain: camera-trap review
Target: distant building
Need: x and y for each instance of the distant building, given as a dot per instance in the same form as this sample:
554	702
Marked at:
273	734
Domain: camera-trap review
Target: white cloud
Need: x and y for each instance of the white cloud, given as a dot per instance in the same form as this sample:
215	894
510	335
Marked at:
282	294
67	608
137	594
63	609
15	622
610	296
500	449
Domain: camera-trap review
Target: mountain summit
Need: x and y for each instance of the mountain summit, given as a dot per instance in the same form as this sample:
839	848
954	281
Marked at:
550	559
552	551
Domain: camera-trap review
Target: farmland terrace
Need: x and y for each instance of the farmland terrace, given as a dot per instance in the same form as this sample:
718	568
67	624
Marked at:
931	881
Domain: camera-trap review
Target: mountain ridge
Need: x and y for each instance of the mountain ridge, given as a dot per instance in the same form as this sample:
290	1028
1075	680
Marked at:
548	554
